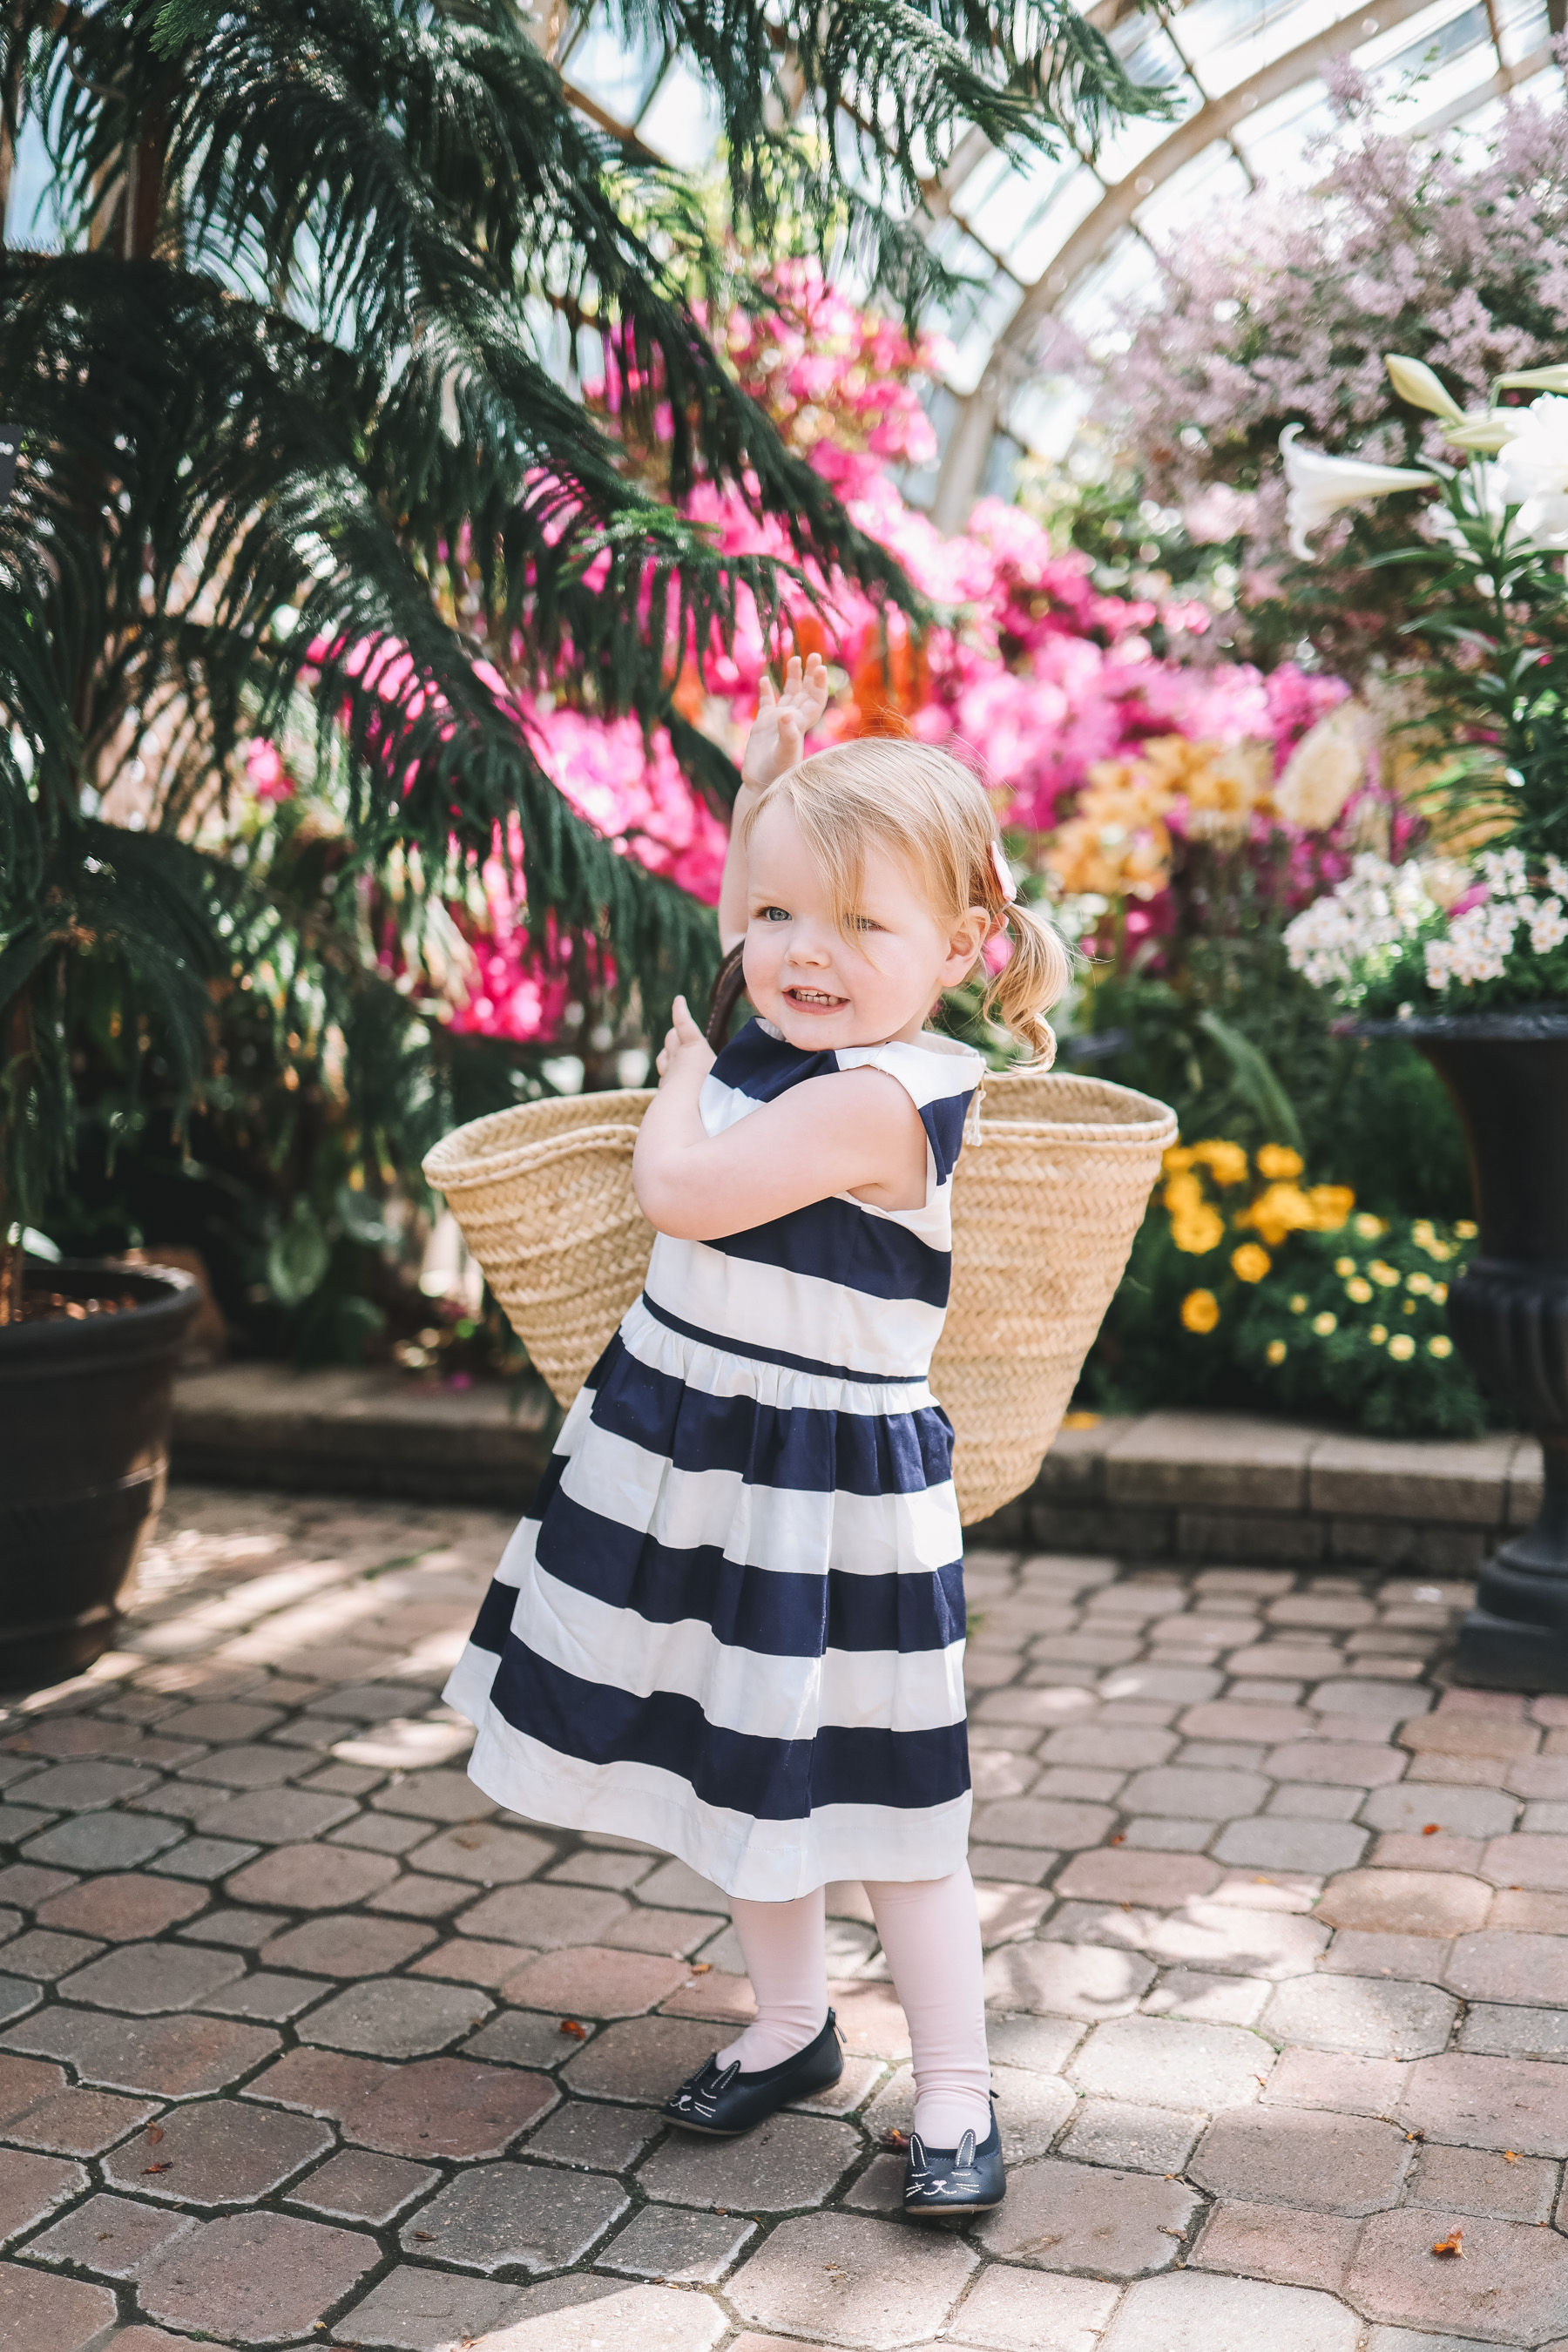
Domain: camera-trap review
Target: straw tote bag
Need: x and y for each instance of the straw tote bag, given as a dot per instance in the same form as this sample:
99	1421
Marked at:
1045	1207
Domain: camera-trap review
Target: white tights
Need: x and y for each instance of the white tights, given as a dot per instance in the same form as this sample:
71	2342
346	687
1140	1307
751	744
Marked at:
929	1931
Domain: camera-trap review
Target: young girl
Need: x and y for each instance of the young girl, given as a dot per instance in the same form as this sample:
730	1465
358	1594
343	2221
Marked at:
734	1626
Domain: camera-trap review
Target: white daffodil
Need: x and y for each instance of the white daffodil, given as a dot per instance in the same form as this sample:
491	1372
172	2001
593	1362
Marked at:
1532	471
1320	485
1414	381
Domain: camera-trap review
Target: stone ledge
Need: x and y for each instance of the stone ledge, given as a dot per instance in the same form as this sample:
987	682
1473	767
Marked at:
1226	1487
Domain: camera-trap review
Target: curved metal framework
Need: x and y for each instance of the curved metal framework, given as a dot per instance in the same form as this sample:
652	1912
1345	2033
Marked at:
1072	234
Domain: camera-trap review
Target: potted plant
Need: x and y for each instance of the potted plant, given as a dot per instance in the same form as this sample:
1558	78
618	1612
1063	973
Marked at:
1464	948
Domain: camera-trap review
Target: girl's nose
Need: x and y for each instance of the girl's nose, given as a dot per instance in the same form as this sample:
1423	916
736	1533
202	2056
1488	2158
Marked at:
810	945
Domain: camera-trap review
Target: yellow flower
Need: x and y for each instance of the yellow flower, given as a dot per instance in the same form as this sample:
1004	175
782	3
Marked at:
1465	1231
1421	1283
1439	1345
1386	1277
1178	1157
1332	1205
1278	1160
1198	1231
1298	1303
1378	1334
1368	1226
1183	1190
1410	1306
1424	1233
1275	1351
1439	1292
1200	1310
1344	1267
1227	1163
1324	1323
1401	1347
1359	1288
1282	1209
1249	1263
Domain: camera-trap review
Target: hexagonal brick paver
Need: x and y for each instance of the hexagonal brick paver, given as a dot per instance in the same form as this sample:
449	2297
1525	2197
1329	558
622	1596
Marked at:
1021	2311
79	2123
1030	2109
24	2082
148	1980
545	1918
219	2152
1131	2138
1281	2242
787	2163
594	2136
855	2280
1510	2287
1068	1979
32	2186
103	1840
429	2107
275	1817
1166	2062
360	2186
490	1853
83	1787
1501	1965
254	2278
501	2215
1077	2217
1372	2016
65	2314
642	2061
120	1909
347	1944
1108	1875
397	2017
1500	2103
1194	2311
1407	1902
1510	2188
161	2057
293	1877
115	2236
596	1982
1336	2164
665	2242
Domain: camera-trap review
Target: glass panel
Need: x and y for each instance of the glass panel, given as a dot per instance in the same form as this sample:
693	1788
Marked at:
1411	39
1521	27
1228	41
1275	138
684	119
1045	414
1210	177
1126	275
1148	54
1048	230
617	78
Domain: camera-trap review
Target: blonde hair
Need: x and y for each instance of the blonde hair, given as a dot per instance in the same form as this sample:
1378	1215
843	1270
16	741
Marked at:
929	809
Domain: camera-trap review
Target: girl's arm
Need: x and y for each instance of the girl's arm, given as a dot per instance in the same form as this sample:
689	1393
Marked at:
852	1131
775	743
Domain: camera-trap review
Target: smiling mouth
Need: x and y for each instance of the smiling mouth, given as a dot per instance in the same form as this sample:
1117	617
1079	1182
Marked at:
815	1000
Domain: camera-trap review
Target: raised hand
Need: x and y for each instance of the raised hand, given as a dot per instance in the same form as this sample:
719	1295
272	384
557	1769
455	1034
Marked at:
685	1047
783	721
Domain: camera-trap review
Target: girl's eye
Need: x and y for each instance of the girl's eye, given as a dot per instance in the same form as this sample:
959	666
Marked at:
866	923
775	914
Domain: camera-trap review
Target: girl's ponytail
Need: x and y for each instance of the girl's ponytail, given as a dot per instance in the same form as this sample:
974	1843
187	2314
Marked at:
1034	975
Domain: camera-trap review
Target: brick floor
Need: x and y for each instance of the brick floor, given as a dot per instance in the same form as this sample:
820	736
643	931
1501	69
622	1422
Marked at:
1277	1925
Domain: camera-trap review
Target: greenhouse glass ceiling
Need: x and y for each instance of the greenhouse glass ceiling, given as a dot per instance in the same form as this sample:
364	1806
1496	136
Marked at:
1071	237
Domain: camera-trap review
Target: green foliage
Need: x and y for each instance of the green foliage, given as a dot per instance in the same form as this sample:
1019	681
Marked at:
303	340
1342	1320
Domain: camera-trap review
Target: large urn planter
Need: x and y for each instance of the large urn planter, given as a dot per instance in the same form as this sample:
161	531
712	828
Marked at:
1508	1075
86	1406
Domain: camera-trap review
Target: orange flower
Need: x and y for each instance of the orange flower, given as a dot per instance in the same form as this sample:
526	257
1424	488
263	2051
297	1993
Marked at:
1200	1310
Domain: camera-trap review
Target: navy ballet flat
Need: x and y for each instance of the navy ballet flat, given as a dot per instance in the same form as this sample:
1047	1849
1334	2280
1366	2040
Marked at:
723	2103
945	2184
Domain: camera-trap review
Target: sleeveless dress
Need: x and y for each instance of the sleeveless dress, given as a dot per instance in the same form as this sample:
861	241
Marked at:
732	1626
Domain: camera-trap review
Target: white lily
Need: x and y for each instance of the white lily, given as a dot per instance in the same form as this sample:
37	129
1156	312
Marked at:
1546	379
1484	433
1532	471
1320	485
1414	381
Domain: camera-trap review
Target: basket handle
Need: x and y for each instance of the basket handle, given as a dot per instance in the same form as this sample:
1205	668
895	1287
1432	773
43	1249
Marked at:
729	987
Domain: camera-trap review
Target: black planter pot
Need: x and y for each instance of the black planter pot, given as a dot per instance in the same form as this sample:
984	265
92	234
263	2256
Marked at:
85	1412
1508	1075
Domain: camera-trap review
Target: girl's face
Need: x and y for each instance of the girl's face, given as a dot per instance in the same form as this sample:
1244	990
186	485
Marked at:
823	988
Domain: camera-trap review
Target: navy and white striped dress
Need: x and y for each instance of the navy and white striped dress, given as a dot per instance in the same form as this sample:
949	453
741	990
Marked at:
733	1625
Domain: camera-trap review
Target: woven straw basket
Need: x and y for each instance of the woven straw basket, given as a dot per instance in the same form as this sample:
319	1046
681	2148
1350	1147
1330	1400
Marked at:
1045	1207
